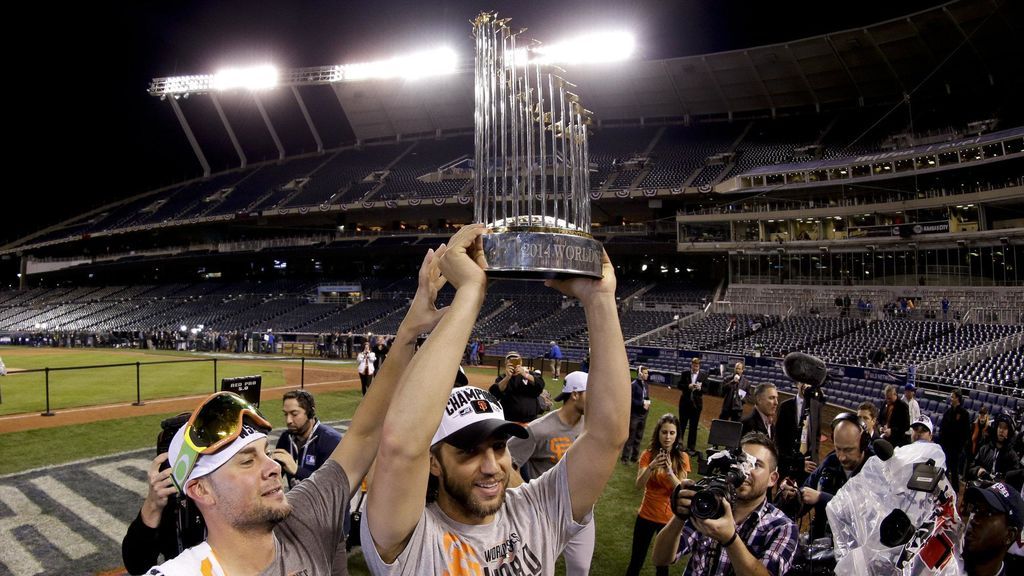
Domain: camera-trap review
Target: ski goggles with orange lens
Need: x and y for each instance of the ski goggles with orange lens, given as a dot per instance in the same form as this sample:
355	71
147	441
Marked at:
213	426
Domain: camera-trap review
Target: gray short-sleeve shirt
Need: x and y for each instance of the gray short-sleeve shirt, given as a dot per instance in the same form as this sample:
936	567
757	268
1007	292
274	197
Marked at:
525	538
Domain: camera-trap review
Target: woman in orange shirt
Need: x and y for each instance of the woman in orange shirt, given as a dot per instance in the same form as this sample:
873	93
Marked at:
661	468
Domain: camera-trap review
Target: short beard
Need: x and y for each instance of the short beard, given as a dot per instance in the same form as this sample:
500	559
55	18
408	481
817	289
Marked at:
260	518
465	500
265	517
752	497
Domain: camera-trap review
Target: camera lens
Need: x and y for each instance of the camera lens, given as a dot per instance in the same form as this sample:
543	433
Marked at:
707	504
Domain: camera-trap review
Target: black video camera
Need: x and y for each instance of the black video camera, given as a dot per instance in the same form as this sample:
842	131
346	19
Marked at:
168	428
726	471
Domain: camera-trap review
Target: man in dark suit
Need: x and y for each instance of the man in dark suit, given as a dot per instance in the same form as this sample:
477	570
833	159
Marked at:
691	401
789	421
734	389
766	402
894	418
868	414
954	436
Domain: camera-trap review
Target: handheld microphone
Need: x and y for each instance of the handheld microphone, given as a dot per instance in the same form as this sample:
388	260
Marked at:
805	368
883	449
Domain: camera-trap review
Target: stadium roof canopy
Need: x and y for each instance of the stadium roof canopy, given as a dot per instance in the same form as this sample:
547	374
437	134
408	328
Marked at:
970	42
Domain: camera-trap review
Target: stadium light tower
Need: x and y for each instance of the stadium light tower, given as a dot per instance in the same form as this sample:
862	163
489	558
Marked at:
257	79
586	49
422	64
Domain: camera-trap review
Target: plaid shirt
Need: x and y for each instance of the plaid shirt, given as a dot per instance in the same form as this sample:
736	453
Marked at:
772	541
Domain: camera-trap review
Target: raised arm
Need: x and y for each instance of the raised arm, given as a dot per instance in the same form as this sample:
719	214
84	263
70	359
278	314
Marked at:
666	543
395	507
591	459
646	469
358	447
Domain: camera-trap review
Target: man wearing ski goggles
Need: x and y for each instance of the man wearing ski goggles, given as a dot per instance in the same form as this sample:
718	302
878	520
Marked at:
219	460
217	430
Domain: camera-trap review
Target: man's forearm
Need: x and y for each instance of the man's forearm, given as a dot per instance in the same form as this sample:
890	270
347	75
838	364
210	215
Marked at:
666	543
393	509
743	562
151	514
606	405
371	411
415	419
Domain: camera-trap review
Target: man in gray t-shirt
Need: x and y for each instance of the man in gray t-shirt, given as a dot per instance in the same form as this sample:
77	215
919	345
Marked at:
219	460
305	542
456	440
550	437
527	534
552	434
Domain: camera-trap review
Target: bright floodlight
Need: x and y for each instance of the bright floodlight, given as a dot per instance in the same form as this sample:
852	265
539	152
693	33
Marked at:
592	48
418	65
253	78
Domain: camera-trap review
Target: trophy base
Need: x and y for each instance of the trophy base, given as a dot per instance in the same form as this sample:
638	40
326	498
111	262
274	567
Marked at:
536	255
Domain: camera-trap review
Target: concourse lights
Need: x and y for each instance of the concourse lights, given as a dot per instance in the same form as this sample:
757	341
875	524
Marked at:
434	62
588	49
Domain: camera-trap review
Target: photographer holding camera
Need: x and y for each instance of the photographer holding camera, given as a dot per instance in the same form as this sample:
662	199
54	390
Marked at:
165	524
305	445
754	537
518	390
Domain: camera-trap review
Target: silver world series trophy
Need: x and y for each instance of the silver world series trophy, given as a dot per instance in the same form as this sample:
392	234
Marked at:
532	168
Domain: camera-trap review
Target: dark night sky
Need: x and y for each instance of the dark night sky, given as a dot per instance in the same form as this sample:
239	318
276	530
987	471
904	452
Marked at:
85	124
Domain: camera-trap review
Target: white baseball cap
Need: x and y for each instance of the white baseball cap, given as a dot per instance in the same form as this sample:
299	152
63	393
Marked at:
924	421
471	415
574	382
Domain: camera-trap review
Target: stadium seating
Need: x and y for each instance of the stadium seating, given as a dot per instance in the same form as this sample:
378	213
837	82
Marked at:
425	157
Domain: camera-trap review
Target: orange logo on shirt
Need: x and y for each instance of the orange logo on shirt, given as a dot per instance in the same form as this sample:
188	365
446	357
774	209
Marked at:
558	447
462	559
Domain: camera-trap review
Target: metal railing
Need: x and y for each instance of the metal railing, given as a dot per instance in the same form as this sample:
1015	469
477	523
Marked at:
46	371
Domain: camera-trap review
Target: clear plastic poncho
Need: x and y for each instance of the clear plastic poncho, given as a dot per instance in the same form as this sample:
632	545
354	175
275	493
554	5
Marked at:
855	515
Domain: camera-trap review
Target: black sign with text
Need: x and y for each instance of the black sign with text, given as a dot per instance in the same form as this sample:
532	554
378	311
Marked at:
247	387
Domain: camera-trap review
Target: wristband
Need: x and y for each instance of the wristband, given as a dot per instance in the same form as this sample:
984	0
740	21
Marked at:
731	540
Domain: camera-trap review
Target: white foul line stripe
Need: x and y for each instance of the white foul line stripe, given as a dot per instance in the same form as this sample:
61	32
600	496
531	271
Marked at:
86	511
112	472
13	554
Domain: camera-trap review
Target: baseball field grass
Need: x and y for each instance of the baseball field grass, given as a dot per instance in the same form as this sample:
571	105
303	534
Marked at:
26	392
